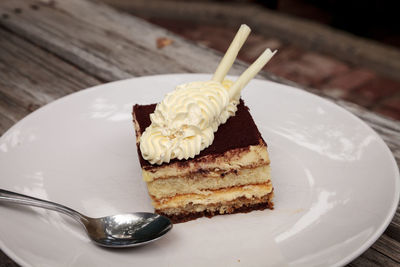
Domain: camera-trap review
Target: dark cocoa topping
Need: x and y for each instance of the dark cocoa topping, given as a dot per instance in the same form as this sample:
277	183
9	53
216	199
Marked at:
239	131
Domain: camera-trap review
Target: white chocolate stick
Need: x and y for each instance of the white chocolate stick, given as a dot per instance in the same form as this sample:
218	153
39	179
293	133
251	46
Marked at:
251	71
231	54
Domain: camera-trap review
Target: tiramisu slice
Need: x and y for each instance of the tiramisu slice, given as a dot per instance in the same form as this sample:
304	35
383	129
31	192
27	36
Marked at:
200	151
232	175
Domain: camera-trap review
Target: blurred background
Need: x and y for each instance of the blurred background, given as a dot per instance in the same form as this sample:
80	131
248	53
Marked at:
348	49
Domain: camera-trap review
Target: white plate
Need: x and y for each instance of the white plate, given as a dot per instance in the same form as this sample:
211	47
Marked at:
336	182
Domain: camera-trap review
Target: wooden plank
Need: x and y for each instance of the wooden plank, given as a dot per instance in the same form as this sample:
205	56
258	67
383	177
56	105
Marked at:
373	258
31	77
104	42
305	33
389	247
5	261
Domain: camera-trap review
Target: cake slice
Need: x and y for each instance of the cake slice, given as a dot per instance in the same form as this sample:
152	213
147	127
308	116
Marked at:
200	151
232	175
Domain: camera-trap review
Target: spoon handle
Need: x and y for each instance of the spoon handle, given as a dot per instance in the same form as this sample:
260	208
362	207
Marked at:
16	198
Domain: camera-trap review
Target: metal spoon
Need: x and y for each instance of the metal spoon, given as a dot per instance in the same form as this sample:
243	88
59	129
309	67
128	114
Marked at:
116	231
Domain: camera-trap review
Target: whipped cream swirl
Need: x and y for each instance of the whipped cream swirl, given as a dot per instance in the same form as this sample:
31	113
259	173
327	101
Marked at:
183	124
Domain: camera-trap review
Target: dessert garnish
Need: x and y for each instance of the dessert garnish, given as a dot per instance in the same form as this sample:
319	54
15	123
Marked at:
183	124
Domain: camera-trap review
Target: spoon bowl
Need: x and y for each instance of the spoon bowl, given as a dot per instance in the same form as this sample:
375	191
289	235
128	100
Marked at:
115	231
127	230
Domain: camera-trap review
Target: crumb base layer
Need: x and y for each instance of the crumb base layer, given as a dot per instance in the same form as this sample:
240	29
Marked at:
240	205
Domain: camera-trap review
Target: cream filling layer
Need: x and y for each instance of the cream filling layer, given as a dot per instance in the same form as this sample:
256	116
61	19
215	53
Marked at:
203	184
222	195
234	159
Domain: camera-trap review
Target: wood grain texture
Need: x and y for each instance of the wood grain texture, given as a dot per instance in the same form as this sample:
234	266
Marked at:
305	33
388	246
31	77
64	46
108	45
373	258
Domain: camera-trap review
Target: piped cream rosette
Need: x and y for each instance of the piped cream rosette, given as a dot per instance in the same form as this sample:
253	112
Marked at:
183	124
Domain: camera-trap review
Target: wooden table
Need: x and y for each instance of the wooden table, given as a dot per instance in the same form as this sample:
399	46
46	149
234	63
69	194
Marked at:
49	49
